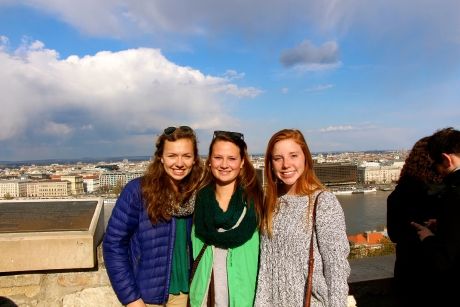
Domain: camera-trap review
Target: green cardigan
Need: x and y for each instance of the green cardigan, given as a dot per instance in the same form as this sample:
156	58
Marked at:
242	267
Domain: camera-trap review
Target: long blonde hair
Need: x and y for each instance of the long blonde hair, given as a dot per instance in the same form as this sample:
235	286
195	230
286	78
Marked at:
307	183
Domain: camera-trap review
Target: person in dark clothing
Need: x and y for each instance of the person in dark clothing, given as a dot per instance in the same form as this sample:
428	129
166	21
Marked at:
441	246
412	200
6	302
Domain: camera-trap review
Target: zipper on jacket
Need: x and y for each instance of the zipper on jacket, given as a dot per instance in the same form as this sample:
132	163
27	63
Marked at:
172	238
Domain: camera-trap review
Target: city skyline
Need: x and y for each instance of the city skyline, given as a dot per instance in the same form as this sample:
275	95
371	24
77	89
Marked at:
103	78
371	155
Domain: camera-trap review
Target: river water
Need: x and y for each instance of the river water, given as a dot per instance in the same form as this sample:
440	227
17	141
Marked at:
365	211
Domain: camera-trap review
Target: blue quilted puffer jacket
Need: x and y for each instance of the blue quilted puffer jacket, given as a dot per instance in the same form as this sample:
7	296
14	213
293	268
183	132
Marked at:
137	254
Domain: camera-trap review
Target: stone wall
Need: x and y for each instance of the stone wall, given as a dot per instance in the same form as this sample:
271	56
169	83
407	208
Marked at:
57	289
369	282
369	285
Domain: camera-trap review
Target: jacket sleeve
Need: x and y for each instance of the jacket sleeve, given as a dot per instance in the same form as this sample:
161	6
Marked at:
396	218
121	226
443	249
333	247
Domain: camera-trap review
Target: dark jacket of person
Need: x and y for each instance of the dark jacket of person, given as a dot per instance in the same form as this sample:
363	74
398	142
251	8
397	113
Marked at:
411	201
138	254
443	249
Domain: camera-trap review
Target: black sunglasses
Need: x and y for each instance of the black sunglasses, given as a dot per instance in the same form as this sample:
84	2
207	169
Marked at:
170	130
236	136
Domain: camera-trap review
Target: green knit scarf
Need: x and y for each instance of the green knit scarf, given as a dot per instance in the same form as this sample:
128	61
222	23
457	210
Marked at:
209	217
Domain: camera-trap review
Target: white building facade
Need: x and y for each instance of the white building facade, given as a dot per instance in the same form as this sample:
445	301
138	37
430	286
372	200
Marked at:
378	174
13	188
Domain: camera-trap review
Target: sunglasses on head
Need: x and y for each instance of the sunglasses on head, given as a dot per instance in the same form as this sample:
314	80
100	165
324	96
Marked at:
233	135
170	130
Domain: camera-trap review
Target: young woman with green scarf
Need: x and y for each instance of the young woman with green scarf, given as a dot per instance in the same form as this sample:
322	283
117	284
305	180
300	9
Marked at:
225	232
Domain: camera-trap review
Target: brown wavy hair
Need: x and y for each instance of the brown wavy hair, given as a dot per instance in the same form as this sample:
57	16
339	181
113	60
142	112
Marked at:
307	183
418	164
247	177
157	189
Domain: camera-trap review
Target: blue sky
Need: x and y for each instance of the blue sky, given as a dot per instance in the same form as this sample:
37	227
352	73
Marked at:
98	78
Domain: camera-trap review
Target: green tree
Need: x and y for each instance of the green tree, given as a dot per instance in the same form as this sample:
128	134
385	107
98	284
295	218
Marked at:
104	189
118	187
388	247
8	196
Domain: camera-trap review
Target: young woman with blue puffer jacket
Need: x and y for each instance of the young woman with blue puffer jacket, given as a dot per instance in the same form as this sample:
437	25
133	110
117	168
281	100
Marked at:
147	248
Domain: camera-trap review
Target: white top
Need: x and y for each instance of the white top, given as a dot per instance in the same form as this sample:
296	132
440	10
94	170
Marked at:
219	267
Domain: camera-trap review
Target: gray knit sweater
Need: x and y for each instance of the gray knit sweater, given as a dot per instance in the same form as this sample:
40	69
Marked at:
284	258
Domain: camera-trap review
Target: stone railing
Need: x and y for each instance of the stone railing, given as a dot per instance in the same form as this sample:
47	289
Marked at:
369	286
369	283
89	287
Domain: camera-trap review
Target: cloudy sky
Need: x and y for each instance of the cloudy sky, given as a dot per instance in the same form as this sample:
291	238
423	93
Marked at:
98	78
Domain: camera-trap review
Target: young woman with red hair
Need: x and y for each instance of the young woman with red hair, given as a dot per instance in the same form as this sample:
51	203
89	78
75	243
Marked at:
286	228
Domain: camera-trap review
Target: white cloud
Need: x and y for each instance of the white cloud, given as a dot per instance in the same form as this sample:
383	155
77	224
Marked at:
4	43
311	57
232	89
3	40
233	75
435	22
285	90
36	45
56	129
337	128
320	87
121	18
87	127
129	92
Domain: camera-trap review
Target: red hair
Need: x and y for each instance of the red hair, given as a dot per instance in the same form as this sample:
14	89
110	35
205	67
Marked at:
307	183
